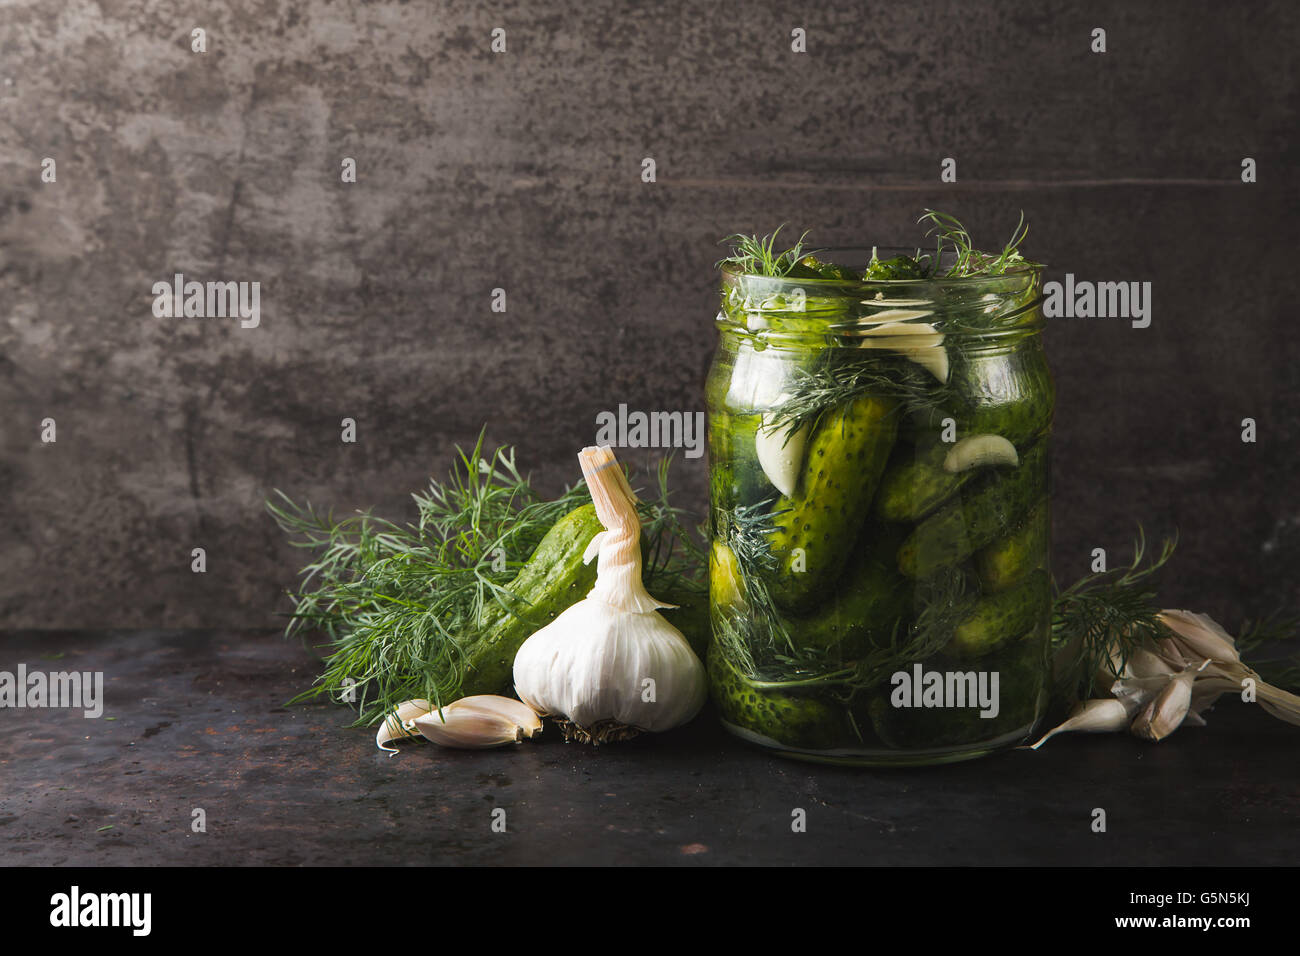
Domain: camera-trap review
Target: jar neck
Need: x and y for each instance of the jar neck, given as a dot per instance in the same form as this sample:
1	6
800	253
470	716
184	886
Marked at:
811	312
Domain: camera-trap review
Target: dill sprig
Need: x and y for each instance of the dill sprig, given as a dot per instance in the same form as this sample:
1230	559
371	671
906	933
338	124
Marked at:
1101	619
1271	634
753	255
969	261
400	605
833	382
758	642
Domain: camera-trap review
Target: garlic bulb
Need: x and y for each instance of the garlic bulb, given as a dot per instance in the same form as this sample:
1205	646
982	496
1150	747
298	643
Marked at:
610	665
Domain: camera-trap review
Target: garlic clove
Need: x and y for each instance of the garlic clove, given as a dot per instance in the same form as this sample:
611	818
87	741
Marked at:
904	328
1165	712
779	448
892	316
978	451
934	361
480	722
1199	636
917	342
1137	692
399	724
1102	716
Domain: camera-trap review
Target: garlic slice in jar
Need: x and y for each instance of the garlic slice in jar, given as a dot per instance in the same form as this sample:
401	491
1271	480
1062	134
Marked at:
919	342
779	447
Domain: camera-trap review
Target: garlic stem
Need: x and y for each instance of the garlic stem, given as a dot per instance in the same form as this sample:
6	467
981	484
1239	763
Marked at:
618	568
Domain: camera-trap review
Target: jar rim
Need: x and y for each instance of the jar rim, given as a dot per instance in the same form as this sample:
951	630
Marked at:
838	255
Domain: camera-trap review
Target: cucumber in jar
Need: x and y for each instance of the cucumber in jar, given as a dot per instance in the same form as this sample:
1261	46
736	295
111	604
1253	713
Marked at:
1021	668
983	513
994	619
871	603
1011	558
815	529
791	718
915	482
996	391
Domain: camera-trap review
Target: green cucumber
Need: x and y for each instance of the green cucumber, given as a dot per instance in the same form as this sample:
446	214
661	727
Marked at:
1009	559
983	513
1007	392
690	616
551	580
915	482
996	618
788	718
815	529
868	603
1021	666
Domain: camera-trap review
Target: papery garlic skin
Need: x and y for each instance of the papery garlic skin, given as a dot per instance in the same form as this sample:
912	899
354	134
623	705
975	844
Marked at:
611	659
479	722
400	723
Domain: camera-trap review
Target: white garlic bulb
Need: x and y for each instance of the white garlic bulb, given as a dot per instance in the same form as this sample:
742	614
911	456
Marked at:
610	664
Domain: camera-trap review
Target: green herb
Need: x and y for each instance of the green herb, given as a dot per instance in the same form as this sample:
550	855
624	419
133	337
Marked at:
754	256
969	261
1110	613
400	605
759	645
834	381
1275	631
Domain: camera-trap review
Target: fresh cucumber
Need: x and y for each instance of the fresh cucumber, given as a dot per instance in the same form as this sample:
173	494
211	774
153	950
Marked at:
915	482
1009	559
788	718
690	616
551	580
982	514
997	618
816	528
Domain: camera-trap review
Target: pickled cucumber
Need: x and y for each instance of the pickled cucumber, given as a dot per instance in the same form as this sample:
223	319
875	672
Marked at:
791	719
1007	393
915	482
996	618
983	513
815	529
869	601
1021	667
1010	558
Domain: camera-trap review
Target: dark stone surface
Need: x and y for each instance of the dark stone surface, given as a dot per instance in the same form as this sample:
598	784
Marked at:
521	171
199	721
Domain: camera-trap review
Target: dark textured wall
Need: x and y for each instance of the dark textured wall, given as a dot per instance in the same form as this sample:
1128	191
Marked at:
522	170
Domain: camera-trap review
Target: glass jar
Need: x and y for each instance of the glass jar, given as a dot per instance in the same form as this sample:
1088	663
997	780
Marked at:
879	508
